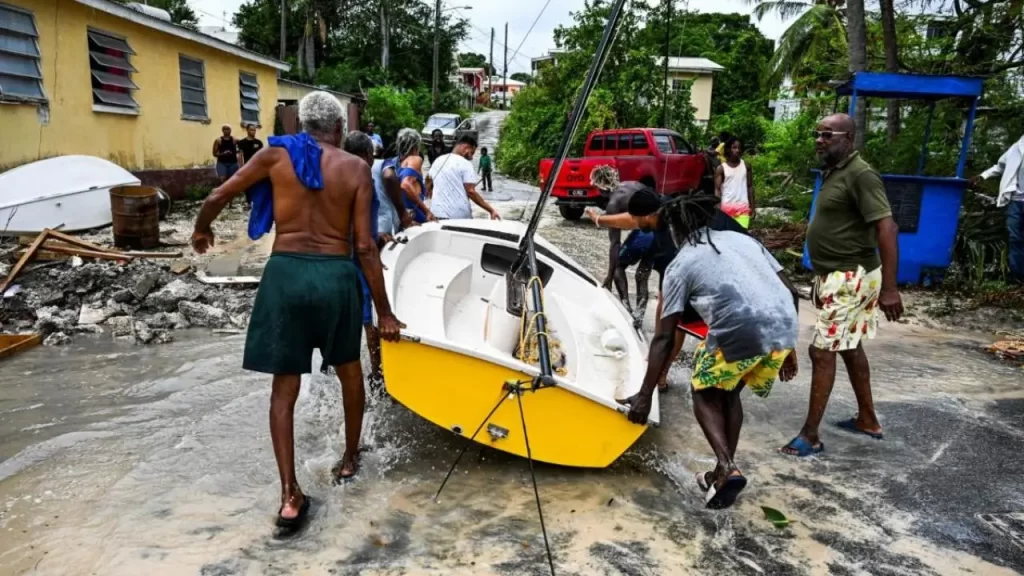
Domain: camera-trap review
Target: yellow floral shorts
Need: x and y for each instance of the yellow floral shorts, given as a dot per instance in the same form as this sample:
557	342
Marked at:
711	370
846	303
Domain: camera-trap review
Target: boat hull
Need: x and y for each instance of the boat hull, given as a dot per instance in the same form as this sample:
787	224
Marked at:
457	391
71	213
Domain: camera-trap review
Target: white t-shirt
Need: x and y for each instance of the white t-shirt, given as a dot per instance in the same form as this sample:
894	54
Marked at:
450	174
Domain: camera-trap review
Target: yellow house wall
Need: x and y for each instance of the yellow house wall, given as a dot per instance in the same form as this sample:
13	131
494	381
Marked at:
158	137
700	92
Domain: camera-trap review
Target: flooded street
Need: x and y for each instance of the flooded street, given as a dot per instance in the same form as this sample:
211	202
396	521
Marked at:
120	459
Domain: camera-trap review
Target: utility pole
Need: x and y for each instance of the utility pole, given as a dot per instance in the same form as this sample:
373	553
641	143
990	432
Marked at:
668	36
284	29
437	53
490	69
385	35
504	91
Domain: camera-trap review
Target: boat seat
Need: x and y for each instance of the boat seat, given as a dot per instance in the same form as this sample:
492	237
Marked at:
426	289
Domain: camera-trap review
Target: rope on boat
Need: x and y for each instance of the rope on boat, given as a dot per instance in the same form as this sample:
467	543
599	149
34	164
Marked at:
528	351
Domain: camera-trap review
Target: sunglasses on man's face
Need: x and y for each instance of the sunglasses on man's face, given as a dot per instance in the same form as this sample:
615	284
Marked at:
826	134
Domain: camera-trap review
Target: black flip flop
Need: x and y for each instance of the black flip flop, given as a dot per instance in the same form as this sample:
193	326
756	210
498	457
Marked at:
288	527
724	497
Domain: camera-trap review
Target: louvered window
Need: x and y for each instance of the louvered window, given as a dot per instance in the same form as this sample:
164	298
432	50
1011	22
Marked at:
111	70
249	94
193	88
21	78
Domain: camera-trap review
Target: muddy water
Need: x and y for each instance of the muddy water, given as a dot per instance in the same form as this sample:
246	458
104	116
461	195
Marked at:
116	459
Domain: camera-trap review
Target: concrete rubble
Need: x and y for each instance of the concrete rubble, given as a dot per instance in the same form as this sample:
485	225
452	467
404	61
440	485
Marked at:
142	300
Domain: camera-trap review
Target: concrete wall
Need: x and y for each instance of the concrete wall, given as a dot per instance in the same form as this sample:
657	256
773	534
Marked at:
158	137
700	92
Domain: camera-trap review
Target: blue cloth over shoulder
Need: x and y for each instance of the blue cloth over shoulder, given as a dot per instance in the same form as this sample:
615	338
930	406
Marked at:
418	214
304	152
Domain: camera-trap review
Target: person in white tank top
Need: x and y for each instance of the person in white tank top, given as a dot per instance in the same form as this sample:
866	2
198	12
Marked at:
734	184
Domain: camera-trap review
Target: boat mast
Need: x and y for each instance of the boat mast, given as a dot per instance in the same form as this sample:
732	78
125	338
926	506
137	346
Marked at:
527	257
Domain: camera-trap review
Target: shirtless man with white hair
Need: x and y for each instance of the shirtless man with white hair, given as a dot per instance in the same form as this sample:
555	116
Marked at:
309	296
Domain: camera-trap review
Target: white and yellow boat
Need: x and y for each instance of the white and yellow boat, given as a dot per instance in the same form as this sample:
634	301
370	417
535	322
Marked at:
447	283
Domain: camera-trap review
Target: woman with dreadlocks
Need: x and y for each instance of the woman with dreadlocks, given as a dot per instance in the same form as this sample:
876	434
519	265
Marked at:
751	311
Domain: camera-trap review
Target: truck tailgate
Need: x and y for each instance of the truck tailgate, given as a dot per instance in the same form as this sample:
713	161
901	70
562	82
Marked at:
573	180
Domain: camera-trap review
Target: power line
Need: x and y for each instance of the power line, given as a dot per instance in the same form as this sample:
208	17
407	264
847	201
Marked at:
541	13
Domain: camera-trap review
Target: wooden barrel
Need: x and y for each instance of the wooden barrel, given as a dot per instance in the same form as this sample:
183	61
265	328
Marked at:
136	216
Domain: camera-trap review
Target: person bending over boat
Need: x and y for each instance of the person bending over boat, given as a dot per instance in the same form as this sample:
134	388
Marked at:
451	183
751	310
645	213
636	248
309	295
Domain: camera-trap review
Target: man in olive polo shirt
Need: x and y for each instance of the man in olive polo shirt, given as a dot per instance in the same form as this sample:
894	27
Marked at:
852	224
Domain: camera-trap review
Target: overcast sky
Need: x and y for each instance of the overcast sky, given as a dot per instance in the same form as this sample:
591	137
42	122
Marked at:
519	14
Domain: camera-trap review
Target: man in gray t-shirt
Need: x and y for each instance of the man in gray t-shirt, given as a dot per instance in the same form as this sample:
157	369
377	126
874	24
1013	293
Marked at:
750	308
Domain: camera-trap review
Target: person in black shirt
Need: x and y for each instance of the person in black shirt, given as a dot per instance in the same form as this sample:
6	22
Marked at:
249	145
247	148
225	150
436	148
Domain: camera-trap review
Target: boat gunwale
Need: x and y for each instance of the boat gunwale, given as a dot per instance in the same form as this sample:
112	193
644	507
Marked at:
508	361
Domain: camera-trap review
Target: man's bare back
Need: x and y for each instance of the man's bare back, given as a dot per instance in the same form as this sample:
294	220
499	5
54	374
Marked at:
318	221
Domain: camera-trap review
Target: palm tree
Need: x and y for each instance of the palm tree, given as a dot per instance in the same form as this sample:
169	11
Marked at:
892	63
820	29
858	42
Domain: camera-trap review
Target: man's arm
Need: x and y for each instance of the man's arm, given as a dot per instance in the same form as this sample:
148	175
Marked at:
393	189
369	257
995	170
479	200
430	185
411	188
659	355
215	147
868	192
888	248
719	179
255	170
614	245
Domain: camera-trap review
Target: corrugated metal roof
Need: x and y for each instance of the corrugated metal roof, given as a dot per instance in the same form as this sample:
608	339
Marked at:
691	63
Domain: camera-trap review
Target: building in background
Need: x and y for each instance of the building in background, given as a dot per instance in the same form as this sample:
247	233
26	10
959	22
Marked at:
700	73
290	92
100	78
550	58
502	89
475	79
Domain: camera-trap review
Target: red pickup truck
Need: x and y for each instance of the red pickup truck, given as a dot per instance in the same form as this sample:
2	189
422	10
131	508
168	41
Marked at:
657	157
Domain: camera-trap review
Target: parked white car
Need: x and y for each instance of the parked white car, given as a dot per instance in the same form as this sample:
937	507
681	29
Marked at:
451	125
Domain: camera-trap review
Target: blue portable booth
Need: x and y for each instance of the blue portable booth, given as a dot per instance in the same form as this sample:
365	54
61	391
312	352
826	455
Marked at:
926	208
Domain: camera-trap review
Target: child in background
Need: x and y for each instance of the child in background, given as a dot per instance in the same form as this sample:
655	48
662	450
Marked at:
485	170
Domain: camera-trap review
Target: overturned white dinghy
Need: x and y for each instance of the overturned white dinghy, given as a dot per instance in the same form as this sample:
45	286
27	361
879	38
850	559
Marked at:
70	192
448	283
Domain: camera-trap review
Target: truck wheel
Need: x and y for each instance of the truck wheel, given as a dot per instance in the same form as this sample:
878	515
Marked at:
571	212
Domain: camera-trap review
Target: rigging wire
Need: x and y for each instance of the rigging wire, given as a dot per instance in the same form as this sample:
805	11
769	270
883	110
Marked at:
533	477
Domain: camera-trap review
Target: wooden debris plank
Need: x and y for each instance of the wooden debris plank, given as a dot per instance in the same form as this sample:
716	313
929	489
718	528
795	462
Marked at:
79	242
103	255
228	279
153	254
24	260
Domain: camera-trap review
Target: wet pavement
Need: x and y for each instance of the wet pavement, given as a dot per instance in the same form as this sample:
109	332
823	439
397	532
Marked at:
117	459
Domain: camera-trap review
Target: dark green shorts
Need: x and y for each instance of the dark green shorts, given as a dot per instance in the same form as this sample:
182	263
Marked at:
305	301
